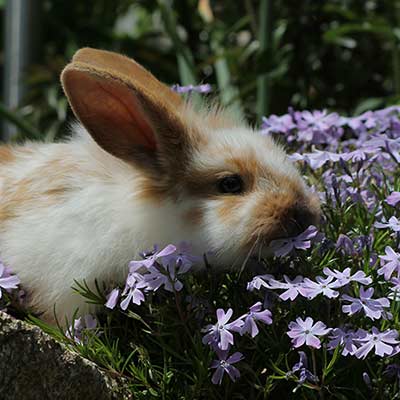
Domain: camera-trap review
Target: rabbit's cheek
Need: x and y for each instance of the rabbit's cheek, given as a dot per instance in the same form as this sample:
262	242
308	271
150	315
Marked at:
230	210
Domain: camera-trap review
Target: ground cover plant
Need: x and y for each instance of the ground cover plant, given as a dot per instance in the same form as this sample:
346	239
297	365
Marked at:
317	320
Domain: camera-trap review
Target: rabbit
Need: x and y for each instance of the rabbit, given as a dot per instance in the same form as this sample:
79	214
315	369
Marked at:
143	166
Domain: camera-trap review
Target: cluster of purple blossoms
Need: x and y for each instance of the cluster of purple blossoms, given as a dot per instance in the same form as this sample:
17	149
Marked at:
357	343
158	269
360	343
220	337
311	127
308	288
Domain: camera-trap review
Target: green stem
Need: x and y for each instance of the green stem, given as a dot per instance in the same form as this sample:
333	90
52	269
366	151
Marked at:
314	362
183	318
229	93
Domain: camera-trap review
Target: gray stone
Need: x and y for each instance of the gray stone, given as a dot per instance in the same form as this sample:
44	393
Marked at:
35	366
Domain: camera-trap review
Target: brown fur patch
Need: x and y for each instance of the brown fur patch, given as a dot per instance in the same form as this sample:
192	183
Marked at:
28	193
45	186
149	190
194	216
6	154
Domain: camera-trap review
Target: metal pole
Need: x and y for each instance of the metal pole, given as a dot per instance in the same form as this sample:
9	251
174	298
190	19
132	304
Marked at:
21	40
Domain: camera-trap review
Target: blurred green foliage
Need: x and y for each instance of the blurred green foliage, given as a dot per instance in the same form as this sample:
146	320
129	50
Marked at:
261	56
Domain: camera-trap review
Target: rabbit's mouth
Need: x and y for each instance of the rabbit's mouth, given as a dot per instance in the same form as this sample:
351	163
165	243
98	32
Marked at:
289	226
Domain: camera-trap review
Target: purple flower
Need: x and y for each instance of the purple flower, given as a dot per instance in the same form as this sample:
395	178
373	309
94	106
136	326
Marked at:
373	308
318	126
7	281
219	335
224	364
345	277
305	331
390	263
255	314
166	275
283	247
80	326
317	158
135	283
134	266
293	288
393	224
205	88
321	286
339	337
183	259
301	368
382	342
366	120
393	198
258	281
275	124
356	155
112	298
346	244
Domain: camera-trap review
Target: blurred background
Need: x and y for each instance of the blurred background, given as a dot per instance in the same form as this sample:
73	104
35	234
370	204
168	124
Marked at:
260	56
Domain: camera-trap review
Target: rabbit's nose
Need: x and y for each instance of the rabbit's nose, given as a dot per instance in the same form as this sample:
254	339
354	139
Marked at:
299	219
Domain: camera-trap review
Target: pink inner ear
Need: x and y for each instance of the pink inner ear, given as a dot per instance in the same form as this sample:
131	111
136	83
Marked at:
111	112
123	111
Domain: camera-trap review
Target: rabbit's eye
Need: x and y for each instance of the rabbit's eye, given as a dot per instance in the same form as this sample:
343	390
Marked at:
231	184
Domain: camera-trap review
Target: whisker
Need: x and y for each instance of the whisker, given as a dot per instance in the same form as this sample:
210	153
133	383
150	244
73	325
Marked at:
248	255
284	229
296	222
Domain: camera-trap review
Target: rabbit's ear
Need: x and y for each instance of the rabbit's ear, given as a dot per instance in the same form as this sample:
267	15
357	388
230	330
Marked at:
128	112
117	63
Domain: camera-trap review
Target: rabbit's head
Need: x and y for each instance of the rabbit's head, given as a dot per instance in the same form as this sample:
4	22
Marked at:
234	189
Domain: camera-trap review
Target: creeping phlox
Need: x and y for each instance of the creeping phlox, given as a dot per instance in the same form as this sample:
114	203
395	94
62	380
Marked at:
332	293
